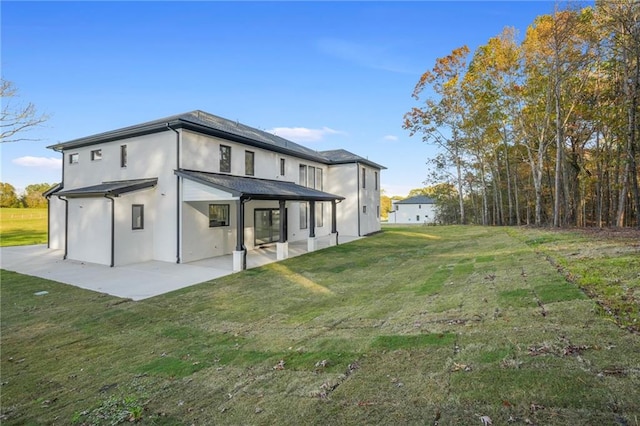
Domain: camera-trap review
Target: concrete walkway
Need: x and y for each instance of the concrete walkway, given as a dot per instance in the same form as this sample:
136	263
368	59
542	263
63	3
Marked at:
137	281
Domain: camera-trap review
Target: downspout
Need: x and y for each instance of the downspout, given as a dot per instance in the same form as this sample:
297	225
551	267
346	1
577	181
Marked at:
113	228
48	221
66	226
358	184
178	210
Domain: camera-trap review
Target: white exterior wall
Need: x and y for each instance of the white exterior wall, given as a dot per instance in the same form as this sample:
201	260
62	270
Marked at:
369	197
56	223
199	241
89	230
412	213
149	156
135	245
343	180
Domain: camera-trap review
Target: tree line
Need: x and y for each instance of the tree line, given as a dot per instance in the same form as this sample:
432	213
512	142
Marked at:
31	197
543	130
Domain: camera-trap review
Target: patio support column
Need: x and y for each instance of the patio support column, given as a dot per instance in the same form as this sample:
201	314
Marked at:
312	243
282	245
239	254
333	241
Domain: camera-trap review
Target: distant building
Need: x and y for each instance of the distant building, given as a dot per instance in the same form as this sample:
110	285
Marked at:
418	209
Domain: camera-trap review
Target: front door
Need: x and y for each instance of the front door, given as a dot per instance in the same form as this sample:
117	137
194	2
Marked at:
267	226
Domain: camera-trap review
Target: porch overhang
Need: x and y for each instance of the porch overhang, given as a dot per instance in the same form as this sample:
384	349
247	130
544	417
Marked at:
112	189
245	188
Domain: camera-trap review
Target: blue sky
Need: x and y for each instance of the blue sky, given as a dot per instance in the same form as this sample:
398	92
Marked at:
327	75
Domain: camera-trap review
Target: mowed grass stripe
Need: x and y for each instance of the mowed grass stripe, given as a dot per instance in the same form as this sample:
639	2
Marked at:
410	326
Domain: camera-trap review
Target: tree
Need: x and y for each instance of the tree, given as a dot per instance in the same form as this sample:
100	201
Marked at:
8	197
440	118
16	119
33	197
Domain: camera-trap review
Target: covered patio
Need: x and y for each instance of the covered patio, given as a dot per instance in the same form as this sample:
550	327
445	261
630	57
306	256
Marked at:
221	188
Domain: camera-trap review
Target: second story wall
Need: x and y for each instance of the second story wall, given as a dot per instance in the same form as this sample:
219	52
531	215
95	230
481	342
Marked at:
132	158
203	153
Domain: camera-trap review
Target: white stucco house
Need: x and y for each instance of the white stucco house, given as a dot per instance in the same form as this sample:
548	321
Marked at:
418	209
195	185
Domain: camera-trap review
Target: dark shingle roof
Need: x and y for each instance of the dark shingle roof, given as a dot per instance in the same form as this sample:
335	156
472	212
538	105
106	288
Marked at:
342	156
418	199
258	189
114	188
213	125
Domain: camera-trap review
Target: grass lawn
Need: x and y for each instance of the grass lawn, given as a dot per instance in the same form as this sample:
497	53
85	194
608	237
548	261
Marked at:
20	227
415	325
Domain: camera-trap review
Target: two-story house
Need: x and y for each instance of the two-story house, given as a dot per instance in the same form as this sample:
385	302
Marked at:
418	209
194	186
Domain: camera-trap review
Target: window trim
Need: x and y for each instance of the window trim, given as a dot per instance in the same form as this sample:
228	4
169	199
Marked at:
283	168
364	178
252	156
375	181
225	161
96	155
134	226
319	214
74	158
226	211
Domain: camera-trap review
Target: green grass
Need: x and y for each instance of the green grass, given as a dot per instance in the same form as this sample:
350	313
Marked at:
19	227
410	326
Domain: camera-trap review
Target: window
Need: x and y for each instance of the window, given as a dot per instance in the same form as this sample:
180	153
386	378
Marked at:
249	165
137	216
397	207
303	175
378	211
218	215
364	177
418	218
96	155
319	215
364	209
225	159
375	181
319	179
311	182
282	167
73	158
303	215
123	156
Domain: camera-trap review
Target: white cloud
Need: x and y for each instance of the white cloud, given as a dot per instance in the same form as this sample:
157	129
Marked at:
390	138
39	162
303	134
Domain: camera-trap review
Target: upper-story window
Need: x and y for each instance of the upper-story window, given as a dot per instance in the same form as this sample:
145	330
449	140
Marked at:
282	167
311	178
364	177
96	155
319	184
74	158
225	159
249	163
123	156
303	175
375	180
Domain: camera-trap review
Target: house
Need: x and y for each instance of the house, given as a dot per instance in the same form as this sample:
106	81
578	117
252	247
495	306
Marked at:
418	209
195	185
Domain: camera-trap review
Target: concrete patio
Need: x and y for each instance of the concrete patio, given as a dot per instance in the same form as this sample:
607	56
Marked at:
136	281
